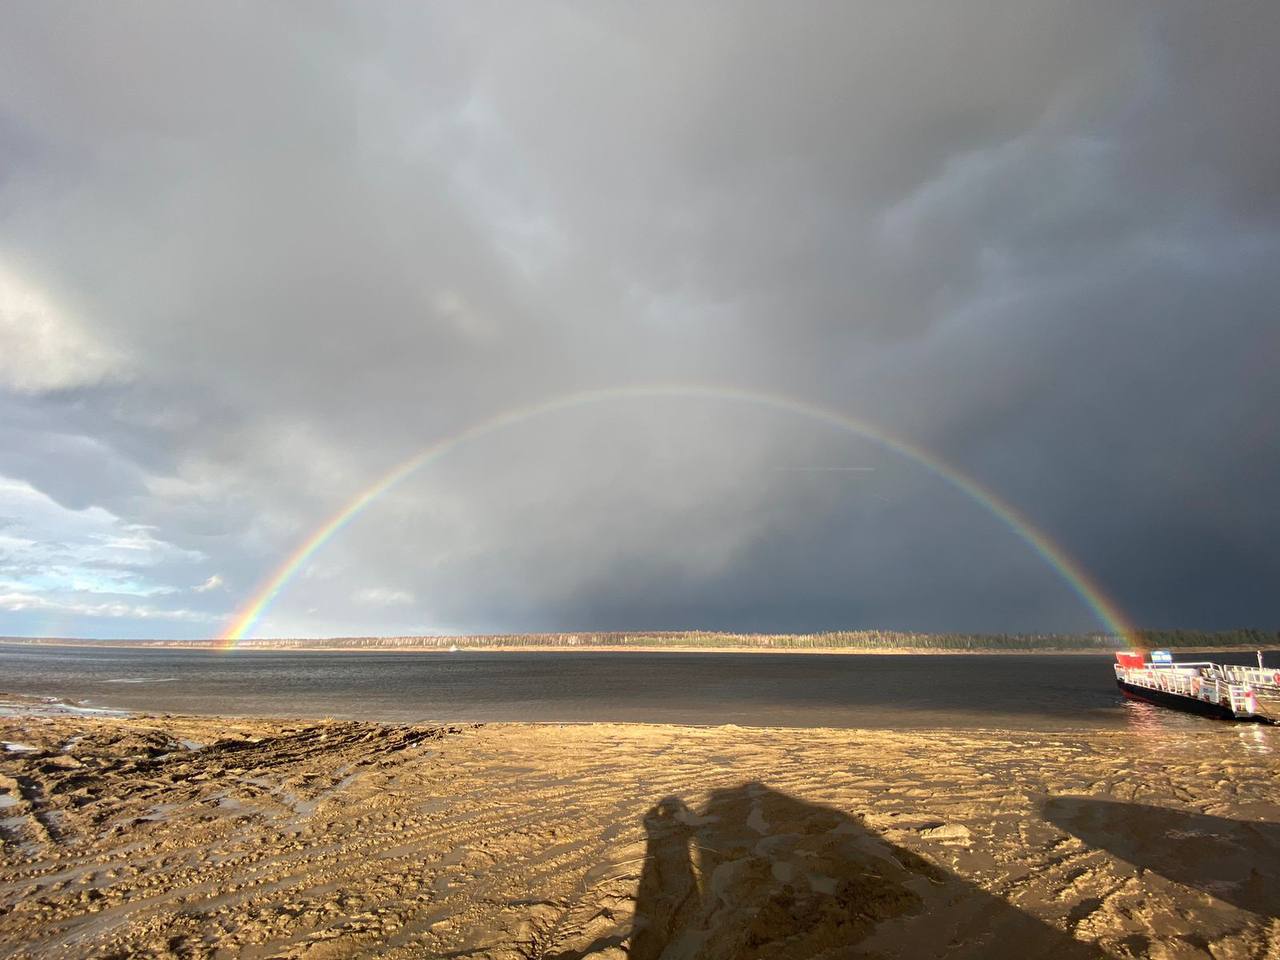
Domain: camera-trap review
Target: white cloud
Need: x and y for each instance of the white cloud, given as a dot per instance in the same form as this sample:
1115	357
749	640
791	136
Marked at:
384	597
52	557
16	601
213	583
41	349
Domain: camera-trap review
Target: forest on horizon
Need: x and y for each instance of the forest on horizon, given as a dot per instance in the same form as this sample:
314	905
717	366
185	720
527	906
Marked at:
832	640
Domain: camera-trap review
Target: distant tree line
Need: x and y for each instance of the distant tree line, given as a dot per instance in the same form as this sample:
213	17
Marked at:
705	639
831	640
1244	637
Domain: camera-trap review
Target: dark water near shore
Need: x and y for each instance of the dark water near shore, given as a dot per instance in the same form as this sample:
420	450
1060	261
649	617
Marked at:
843	690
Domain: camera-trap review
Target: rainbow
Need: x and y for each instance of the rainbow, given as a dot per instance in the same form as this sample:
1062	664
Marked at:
245	618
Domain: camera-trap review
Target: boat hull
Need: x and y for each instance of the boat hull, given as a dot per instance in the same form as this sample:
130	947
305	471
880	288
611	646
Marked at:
1178	702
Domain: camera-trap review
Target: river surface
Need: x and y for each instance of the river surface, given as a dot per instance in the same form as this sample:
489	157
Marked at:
1040	691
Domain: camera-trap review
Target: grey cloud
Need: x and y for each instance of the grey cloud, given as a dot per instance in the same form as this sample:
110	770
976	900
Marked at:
1035	238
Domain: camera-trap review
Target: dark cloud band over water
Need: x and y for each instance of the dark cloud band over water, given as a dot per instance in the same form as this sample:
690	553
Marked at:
1110	617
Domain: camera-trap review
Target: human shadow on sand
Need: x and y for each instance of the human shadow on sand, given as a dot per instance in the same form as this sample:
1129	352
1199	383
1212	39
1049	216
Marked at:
1237	861
759	874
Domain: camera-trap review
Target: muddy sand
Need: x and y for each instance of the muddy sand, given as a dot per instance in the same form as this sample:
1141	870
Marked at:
198	837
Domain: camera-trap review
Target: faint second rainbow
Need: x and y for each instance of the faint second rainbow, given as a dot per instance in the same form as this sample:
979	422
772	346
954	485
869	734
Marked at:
1106	610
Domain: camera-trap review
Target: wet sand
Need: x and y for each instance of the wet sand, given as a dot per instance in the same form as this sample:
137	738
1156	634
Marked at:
199	837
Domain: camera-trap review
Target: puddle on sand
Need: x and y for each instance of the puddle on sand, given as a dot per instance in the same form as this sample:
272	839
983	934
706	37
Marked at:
161	811
12	827
53	707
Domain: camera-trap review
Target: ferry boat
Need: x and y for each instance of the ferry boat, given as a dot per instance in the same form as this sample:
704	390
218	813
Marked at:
1219	690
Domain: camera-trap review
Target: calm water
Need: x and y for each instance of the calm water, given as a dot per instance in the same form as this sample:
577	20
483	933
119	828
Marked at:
1044	692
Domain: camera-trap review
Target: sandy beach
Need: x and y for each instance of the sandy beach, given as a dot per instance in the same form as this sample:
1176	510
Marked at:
198	837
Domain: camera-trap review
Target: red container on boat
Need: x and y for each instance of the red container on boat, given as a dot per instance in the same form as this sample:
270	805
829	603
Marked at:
1129	659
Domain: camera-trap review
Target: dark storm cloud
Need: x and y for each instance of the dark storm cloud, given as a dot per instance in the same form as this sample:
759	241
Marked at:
251	257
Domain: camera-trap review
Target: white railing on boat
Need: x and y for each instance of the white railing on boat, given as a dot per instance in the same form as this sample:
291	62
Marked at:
1254	676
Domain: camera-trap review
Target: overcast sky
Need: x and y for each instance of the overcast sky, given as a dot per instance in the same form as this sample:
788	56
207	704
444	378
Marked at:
253	256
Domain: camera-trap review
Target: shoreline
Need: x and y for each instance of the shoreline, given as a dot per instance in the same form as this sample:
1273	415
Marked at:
26	706
32	706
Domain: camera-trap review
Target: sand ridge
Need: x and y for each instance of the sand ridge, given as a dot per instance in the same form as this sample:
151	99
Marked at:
196	837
